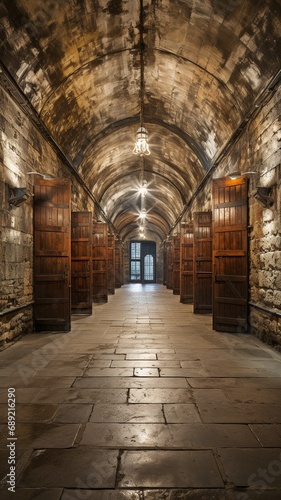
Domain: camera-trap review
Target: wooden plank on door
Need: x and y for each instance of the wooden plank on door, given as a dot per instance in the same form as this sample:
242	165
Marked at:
202	263
52	249
100	274
186	263
176	264
81	263
111	264
230	255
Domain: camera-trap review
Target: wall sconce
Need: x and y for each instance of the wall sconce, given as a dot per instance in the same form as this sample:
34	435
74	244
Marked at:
18	196
263	196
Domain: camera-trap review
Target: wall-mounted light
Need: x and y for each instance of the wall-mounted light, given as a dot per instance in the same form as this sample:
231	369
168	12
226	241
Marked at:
18	196
45	176
263	196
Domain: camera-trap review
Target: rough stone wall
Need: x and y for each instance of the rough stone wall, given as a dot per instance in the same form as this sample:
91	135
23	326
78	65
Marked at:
22	149
259	149
265	225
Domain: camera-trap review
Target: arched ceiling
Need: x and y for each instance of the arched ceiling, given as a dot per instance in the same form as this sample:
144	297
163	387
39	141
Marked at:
79	64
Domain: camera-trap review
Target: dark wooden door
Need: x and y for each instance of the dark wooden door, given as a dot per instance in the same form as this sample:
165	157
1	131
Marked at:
169	264
111	264
52	236
202	262
230	255
81	263
118	263
100	275
176	264
186	263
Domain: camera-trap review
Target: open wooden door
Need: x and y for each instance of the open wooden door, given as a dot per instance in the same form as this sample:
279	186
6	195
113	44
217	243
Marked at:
52	232
169	264
230	255
111	264
118	263
186	263
202	262
81	263
176	264
100	276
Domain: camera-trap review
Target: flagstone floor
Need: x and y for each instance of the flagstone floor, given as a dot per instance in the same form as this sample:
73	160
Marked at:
141	401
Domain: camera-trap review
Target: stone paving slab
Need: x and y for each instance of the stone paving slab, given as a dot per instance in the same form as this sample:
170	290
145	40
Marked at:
129	382
169	469
100	363
253	395
109	372
260	470
181	413
102	495
134	350
36	435
190	494
146	372
72	468
221	382
23	395
267	434
145	364
160	396
177	436
82	396
34	413
140	356
31	494
183	372
240	413
150	413
73	413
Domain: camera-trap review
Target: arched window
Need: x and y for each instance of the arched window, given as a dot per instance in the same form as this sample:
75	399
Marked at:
148	268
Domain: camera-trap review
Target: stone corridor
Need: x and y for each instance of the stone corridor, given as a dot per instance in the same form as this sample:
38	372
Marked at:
142	401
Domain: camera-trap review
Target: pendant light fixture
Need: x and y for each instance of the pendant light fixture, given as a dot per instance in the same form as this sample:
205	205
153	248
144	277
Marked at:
141	145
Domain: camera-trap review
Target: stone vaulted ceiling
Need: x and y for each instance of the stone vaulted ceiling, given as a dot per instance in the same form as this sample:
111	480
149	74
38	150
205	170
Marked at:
205	64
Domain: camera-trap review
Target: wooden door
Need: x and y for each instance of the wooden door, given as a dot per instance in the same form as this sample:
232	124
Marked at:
169	264
52	235
202	262
176	264
111	264
100	275
186	263
118	263
81	263
164	264
230	255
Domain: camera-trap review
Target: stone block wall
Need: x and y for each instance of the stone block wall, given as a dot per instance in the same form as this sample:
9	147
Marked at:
22	149
265	225
258	148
